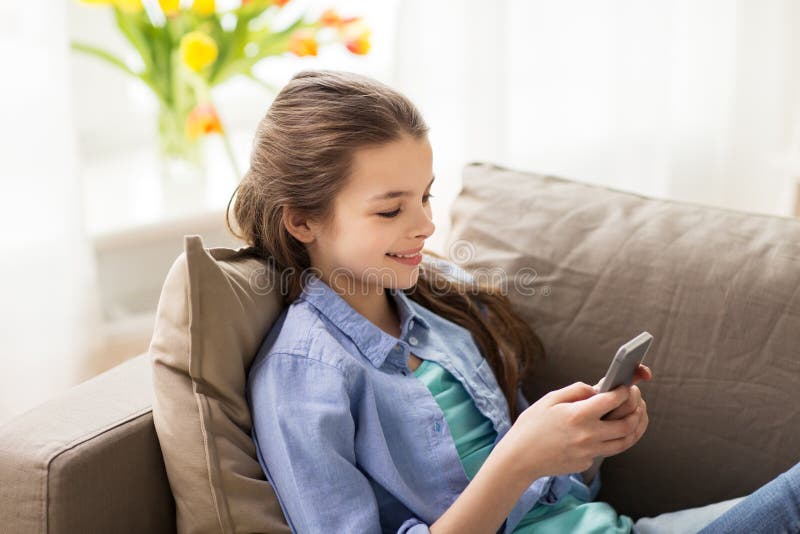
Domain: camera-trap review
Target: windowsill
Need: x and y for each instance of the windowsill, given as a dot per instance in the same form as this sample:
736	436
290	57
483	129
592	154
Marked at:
136	229
124	197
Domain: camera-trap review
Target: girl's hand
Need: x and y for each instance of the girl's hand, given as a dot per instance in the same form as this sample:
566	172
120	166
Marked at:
562	432
635	400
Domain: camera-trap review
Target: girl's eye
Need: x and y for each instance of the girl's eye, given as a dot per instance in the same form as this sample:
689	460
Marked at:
390	214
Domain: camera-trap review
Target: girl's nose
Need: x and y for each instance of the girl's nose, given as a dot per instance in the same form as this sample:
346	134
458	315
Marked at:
426	227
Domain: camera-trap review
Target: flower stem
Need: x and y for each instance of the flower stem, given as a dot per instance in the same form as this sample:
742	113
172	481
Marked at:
203	93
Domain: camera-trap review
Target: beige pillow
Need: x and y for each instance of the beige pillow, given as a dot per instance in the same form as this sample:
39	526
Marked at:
214	311
212	316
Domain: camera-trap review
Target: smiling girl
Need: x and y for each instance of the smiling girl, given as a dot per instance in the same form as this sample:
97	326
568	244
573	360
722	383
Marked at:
387	395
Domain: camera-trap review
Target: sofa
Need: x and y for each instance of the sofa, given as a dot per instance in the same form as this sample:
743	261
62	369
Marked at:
589	267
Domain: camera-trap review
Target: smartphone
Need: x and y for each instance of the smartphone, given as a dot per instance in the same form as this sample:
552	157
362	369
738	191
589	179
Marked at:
621	371
624	364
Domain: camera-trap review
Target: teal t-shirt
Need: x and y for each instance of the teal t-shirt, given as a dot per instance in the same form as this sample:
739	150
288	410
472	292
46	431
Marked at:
474	436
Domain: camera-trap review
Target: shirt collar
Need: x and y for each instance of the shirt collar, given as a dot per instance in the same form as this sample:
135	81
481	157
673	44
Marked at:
373	342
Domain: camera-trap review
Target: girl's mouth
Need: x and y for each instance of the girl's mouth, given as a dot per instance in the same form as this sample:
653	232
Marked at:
412	260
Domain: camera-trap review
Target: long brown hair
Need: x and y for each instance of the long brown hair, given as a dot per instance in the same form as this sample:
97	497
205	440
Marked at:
302	155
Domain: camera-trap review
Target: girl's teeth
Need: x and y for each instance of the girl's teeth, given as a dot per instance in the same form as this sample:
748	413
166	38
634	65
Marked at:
403	255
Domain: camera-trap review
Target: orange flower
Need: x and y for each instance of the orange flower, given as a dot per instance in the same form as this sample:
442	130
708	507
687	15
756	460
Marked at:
279	3
355	35
330	17
303	43
203	120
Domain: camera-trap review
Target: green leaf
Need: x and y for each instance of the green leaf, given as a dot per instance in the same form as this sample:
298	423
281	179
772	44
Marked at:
102	54
270	44
231	45
129	28
114	60
158	38
149	41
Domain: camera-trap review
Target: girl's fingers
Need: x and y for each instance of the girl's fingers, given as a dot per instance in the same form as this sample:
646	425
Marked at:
600	404
620	428
597	386
612	447
616	445
646	371
642	373
633	401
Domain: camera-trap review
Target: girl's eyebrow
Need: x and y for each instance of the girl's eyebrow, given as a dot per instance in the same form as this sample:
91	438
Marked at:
395	194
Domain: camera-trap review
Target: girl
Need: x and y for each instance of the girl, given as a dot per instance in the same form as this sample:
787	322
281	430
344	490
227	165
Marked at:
387	396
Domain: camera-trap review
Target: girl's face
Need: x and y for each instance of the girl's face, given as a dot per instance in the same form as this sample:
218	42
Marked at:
383	209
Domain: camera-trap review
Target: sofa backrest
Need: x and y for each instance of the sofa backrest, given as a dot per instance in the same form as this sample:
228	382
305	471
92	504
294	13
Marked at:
718	289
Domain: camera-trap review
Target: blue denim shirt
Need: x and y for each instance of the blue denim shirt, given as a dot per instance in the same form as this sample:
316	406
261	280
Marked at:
350	439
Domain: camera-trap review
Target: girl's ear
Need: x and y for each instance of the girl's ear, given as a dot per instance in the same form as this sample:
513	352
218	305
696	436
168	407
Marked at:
298	225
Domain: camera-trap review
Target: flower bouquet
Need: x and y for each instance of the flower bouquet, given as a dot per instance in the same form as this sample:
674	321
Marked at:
188	47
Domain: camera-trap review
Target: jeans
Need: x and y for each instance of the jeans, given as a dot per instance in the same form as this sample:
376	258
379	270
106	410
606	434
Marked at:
773	508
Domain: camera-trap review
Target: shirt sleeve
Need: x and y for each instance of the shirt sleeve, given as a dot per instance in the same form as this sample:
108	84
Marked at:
413	526
304	433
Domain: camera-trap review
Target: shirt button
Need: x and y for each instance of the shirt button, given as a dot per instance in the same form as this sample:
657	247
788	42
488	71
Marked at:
412	340
437	426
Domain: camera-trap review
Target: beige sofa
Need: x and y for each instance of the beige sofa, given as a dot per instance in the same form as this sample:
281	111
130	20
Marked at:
719	290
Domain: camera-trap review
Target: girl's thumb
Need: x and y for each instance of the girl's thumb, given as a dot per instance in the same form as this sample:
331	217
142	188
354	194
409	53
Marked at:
574	392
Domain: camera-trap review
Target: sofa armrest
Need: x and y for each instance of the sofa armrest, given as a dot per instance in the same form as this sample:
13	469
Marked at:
87	460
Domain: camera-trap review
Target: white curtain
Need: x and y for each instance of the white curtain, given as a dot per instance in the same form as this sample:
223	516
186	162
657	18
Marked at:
49	302
695	100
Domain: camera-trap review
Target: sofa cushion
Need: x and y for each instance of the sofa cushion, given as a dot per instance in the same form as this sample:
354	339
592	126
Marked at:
590	267
214	310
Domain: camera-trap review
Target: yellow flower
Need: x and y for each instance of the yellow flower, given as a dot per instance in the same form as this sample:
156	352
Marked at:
203	7
198	50
169	7
202	120
303	43
129	6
